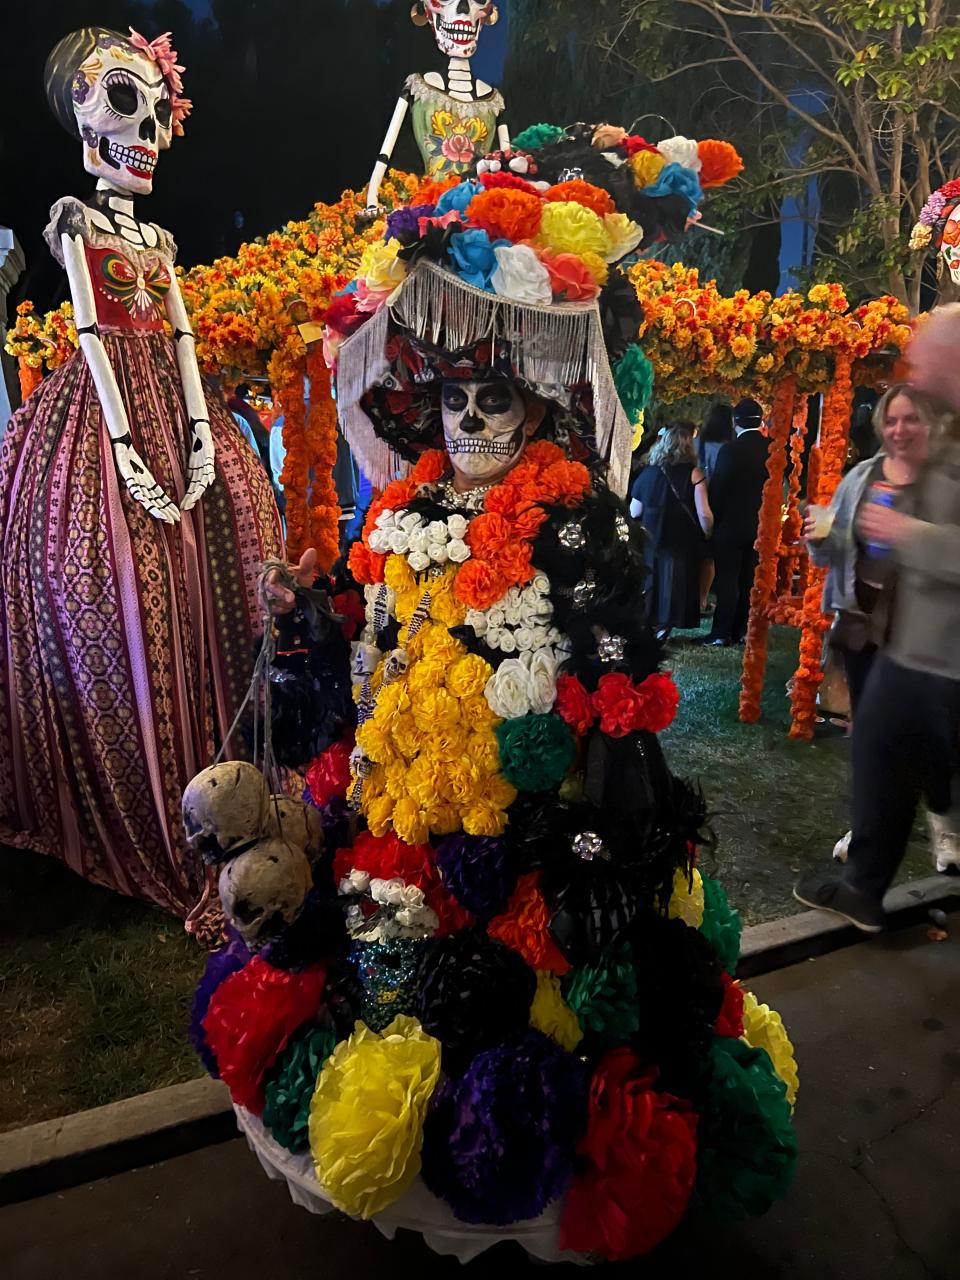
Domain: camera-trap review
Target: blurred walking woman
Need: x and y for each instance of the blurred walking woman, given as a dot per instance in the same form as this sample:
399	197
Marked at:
670	495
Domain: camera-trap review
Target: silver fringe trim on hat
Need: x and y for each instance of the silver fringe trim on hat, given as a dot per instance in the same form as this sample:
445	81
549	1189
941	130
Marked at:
551	346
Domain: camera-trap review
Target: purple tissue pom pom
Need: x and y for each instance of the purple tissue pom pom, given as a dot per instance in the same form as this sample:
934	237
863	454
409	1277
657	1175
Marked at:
220	966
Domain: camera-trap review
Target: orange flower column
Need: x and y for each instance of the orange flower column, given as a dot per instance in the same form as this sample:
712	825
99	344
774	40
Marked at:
837	408
30	379
768	543
322	438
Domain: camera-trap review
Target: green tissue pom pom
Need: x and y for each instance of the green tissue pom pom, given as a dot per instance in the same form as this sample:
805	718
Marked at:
535	751
289	1090
721	925
633	375
604	995
537	136
748	1147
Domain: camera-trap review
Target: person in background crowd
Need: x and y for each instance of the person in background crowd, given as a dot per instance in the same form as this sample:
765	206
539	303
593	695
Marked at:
670	495
859	580
714	434
736	494
863	439
907	736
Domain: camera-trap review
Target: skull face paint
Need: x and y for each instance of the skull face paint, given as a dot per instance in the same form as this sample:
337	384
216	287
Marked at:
950	246
124	113
457	24
485	428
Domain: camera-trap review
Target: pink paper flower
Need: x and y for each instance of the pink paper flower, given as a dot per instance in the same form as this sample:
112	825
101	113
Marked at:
162	52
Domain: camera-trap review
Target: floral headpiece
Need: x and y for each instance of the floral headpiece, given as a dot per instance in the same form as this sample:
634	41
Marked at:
525	252
162	52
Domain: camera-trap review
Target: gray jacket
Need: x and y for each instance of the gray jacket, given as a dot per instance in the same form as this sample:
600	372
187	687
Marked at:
838	552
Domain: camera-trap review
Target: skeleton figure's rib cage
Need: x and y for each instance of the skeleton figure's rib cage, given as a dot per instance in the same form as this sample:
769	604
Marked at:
454	116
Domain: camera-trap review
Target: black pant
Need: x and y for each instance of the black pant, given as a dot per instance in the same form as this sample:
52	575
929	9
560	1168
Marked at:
904	748
857	667
736	565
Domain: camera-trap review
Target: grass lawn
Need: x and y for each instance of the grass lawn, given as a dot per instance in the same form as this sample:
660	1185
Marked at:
95	989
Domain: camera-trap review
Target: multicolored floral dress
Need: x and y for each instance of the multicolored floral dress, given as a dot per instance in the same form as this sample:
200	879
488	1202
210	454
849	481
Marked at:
126	643
452	135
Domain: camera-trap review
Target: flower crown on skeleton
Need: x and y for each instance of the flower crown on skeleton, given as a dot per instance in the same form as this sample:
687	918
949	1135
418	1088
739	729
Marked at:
162	52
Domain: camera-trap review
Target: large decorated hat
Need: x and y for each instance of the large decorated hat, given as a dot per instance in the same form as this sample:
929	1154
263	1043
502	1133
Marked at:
939	227
515	272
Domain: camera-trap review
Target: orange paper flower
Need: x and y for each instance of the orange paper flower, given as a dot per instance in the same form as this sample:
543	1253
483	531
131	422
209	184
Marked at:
506	214
584	193
721	163
524	927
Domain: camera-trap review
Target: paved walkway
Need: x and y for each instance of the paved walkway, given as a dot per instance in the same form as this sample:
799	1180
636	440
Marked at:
877	1196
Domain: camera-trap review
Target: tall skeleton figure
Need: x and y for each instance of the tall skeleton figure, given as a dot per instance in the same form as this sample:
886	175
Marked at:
454	115
133	517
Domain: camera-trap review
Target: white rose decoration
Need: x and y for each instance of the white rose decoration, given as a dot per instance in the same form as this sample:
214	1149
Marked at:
476	620
380	541
521	275
437	531
458	526
412	897
513	614
438	553
680	150
541	637
458	551
419	540
386	519
494	636
508	643
399	542
418	561
509	691
541	584
524	639
543	680
496	617
410	521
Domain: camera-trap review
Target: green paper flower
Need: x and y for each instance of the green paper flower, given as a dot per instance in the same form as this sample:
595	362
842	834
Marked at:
536	136
721	925
633	375
604	995
748	1148
535	751
290	1087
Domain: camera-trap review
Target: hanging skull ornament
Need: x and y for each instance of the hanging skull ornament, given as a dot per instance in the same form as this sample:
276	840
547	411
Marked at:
485	428
297	824
263	890
457	24
225	808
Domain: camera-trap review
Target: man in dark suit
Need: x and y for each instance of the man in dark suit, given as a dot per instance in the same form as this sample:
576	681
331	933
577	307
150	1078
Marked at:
736	494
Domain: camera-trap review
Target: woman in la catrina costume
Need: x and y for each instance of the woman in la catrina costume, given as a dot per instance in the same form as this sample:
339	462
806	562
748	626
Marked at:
133	517
506	1009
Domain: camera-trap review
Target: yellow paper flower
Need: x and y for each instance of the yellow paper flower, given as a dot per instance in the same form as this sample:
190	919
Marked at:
623	235
647	167
410	822
484	820
469	676
764	1029
375	743
552	1015
399	576
483	751
380	267
476	714
436	709
597	266
367	1114
686	902
568	227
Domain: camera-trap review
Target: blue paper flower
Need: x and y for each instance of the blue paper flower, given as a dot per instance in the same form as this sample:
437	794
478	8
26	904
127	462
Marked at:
473	258
457	198
677	180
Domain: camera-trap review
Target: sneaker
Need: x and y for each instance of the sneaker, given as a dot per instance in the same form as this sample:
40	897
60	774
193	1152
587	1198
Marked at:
841	850
946	844
826	893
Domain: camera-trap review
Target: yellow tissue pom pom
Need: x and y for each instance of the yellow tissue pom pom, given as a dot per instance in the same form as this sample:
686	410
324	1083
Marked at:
378	812
399	576
686	902
552	1015
367	1113
647	167
380	268
484	820
568	227
597	266
623	235
410	822
763	1029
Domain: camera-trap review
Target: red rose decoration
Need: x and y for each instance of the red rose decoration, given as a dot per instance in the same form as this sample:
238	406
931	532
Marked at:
660	698
342	315
574	705
618	704
251	1019
730	1021
639	1164
635	144
329	776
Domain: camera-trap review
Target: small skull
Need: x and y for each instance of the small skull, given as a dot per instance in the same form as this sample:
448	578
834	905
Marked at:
263	890
224	808
396	666
360	763
297	824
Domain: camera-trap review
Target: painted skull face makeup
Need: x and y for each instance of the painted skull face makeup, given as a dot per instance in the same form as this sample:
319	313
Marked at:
457	24
950	248
485	428
125	116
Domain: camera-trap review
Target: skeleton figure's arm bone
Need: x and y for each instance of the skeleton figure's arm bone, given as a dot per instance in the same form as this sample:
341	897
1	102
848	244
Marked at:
130	467
386	151
503	136
200	465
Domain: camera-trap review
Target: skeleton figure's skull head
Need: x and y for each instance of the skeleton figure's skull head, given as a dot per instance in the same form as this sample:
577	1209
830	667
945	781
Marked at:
950	245
485	427
457	24
124	112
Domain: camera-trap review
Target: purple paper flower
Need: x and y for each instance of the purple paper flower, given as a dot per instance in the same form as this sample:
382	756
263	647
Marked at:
499	1142
220	966
404	224
477	871
933	210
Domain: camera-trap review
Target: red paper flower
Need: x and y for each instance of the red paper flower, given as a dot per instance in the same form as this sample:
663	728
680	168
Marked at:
388	858
574	705
350	607
570	278
507	181
329	776
730	1021
618	703
639	1153
251	1018
661	698
635	144
342	315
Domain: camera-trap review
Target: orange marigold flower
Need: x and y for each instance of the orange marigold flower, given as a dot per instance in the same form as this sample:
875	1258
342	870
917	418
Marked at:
479	586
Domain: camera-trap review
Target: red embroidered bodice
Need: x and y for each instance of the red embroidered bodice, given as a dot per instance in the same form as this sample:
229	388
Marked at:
128	296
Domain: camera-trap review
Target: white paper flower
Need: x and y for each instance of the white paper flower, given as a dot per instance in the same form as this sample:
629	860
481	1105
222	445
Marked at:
386	519
509	690
458	551
419	540
496	617
458	526
380	541
680	150
513	614
521	275
418	561
508	643
524	639
399	542
477	620
412	897
541	637
494	636
438	553
542	667
410	521
437	531
541	584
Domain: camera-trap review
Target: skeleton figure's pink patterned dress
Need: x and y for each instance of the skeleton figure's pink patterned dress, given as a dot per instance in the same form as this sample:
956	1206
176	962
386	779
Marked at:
125	644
